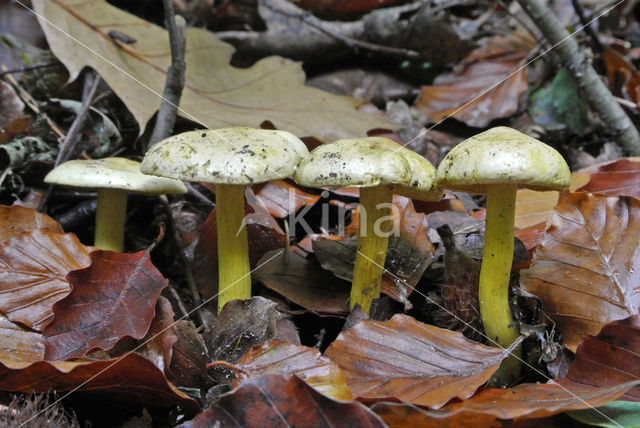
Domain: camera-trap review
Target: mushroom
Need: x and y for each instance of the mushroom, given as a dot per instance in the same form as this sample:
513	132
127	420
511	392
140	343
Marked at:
495	163
230	158
380	167
113	178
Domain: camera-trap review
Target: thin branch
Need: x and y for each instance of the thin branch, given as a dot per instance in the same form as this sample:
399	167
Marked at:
589	82
174	83
595	41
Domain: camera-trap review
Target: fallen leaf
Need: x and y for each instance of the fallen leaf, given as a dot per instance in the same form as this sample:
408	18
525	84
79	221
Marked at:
113	298
33	269
612	415
533	207
412	362
458	95
19	344
624	77
282	401
278	357
617	178
272	89
131	382
585	269
304	282
159	340
241	324
281	198
15	219
190	357
611	357
488	407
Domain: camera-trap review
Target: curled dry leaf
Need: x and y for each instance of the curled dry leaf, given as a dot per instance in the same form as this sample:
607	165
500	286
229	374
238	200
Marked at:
412	362
610	358
279	197
618	178
278	357
33	270
586	269
488	407
15	219
132	382
18	344
472	95
272	89
113	298
282	401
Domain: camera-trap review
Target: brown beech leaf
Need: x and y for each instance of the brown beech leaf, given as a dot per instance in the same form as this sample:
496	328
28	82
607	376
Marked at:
159	340
624	77
33	270
282	401
113	298
586	270
278	357
263	233
610	358
19	344
618	178
132	381
489	406
458	94
15	219
302	280
276	196
190	357
412	362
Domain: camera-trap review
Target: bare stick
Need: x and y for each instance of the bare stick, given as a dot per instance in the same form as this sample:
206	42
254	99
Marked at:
589	83
175	76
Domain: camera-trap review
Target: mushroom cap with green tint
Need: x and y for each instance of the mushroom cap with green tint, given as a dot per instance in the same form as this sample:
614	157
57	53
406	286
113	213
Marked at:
236	155
502	155
367	162
112	173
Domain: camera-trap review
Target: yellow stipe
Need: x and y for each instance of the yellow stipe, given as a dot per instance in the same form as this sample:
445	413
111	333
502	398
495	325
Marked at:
111	215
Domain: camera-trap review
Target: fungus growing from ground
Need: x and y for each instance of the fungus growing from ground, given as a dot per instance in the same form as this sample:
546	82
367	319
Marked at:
495	163
231	158
379	167
113	178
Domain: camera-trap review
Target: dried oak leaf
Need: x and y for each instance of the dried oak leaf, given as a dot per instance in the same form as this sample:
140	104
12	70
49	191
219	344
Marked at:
412	362
279	357
15	219
617	178
282	401
586	269
33	270
271	89
610	358
132	381
471	94
113	298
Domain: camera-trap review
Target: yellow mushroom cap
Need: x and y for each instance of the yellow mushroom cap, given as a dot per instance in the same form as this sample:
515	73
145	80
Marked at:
502	155
235	155
112	173
366	162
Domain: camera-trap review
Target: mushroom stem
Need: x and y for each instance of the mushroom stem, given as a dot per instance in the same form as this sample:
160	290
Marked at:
372	245
495	274
111	214
234	272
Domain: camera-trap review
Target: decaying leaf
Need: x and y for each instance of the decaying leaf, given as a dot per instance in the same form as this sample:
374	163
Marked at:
113	298
282	401
15	219
215	94
412	362
618	178
586	269
471	94
33	269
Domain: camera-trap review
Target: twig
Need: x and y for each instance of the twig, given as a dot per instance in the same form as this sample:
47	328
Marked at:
175	76
183	310
91	81
585	24
30	68
198	195
186	266
589	83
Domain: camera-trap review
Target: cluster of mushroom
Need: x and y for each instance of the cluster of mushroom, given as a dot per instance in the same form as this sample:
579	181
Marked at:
494	162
